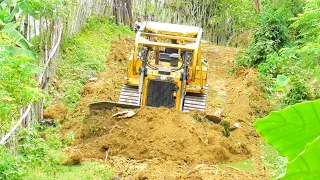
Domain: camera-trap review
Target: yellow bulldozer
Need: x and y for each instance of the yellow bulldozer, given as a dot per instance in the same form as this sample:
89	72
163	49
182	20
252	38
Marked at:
165	70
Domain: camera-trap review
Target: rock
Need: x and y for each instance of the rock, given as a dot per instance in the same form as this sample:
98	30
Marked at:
236	124
124	114
219	113
115	178
214	119
48	122
92	78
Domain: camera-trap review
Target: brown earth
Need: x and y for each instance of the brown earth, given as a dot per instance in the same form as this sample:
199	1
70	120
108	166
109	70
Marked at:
74	157
121	49
56	111
167	144
158	133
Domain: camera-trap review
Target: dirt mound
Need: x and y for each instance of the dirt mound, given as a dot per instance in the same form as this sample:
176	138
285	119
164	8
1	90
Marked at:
158	133
244	101
74	157
121	50
164	143
56	111
235	91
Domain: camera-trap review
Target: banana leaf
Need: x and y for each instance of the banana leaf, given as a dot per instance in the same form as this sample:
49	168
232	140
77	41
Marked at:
17	51
13	35
12	14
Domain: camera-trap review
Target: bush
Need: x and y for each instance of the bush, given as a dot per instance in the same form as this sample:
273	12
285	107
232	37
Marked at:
299	92
10	167
289	45
271	33
32	147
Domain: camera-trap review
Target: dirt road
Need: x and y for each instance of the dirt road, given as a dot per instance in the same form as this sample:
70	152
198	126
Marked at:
167	144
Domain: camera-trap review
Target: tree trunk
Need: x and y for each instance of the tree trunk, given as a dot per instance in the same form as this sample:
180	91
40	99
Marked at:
115	10
155	14
129	8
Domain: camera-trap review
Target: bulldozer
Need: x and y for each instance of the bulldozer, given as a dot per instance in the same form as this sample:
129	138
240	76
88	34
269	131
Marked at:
165	70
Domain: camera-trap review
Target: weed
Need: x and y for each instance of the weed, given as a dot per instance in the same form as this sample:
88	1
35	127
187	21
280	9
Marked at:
93	129
298	93
32	147
70	138
10	167
226	126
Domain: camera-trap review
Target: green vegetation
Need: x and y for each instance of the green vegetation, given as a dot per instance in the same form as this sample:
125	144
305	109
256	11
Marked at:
286	44
272	160
41	158
85	54
17	67
18	61
295	133
10	167
223	21
87	170
82	55
285	48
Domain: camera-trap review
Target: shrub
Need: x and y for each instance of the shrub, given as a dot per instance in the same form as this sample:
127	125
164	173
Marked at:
271	33
10	167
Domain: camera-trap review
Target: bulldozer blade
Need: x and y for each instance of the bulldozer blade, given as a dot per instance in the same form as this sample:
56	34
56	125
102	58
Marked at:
110	105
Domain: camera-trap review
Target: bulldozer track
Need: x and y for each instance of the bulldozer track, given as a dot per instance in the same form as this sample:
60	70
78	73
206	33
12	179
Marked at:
129	95
195	101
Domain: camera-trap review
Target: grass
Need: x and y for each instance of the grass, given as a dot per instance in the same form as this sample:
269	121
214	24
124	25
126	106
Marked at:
271	159
85	171
85	55
246	166
51	167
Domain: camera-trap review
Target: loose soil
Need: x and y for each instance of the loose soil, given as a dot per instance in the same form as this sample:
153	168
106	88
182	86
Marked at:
56	111
120	50
165	143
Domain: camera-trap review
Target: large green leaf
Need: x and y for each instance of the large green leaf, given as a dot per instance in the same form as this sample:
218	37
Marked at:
282	80
307	163
12	14
9	27
14	36
289	130
16	51
9	2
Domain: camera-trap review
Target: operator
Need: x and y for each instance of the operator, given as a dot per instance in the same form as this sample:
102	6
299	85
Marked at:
137	24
